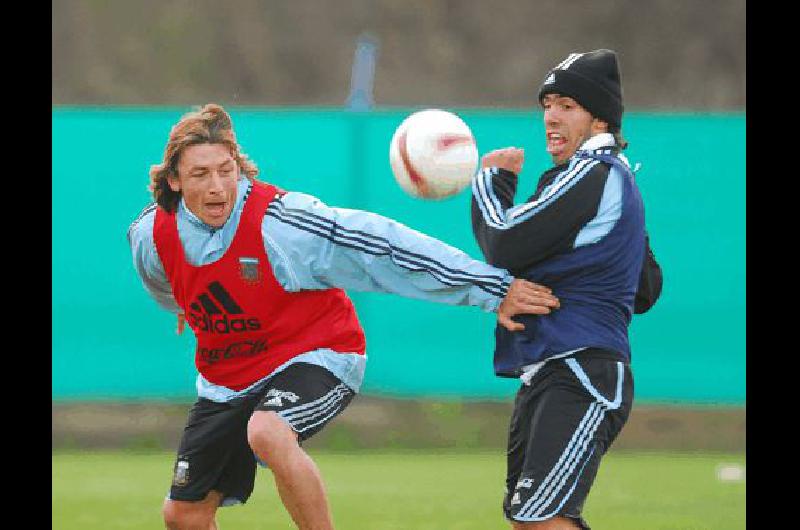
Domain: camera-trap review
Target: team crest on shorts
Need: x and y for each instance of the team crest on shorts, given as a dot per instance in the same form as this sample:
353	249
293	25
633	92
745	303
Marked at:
181	475
524	483
249	271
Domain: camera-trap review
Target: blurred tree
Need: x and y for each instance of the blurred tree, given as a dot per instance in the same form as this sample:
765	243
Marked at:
674	53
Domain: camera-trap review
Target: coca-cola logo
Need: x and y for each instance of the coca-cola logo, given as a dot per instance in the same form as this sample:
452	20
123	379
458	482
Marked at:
246	348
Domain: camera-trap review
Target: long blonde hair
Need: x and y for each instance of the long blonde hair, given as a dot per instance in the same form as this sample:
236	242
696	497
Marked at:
210	124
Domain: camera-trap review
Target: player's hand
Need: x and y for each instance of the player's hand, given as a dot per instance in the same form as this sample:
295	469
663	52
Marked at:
509	158
181	323
527	298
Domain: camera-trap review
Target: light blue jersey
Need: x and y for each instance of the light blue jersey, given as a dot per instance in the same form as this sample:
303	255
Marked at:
313	246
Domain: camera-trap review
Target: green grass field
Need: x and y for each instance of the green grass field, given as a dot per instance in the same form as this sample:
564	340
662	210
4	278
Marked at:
408	491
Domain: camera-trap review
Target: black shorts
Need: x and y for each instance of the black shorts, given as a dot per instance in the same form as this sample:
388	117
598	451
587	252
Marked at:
561	426
214	453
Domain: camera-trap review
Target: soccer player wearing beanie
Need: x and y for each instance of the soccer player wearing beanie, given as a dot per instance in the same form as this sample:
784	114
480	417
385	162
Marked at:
582	233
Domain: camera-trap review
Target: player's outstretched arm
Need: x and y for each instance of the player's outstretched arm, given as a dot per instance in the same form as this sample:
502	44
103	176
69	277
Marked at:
313	246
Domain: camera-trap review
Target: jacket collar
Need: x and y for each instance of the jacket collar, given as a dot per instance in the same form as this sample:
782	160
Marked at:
598	141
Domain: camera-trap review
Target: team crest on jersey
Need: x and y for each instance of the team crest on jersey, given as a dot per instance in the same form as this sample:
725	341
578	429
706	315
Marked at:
248	270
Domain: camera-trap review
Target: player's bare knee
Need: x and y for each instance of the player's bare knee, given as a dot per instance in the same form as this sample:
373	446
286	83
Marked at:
269	436
180	515
170	515
175	517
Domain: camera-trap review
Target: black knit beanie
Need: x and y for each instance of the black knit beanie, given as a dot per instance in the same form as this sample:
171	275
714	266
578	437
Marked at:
591	79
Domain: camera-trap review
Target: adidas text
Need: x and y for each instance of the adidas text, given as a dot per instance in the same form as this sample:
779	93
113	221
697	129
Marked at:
223	324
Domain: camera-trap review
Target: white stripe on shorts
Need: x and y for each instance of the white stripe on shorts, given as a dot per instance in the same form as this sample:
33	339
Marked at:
326	406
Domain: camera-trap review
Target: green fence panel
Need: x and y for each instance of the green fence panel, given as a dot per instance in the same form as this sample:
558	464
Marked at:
110	340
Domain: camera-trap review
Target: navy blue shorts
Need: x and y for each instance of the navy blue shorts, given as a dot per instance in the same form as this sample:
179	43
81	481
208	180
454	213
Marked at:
214	453
562	425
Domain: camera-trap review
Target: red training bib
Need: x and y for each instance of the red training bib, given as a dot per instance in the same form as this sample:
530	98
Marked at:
245	323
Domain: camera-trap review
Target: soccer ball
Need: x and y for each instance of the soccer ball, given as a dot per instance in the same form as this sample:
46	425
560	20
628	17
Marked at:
433	154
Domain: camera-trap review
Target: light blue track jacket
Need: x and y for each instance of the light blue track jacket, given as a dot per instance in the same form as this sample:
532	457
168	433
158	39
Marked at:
313	246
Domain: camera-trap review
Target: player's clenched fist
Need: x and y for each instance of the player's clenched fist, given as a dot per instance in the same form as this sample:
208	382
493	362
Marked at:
509	158
527	298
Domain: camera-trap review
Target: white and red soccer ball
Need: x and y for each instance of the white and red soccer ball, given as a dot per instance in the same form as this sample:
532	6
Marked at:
433	154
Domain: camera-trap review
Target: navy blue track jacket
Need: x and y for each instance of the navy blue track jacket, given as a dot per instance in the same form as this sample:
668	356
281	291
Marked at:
583	235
